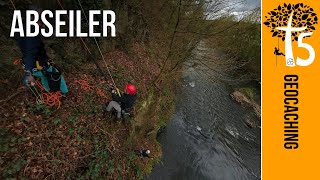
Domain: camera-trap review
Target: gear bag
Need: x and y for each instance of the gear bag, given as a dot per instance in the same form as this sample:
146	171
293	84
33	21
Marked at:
53	78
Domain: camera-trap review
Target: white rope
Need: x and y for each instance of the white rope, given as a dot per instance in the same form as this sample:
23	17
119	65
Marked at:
98	46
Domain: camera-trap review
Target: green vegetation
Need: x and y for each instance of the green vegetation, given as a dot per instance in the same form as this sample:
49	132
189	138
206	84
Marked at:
241	41
154	39
248	92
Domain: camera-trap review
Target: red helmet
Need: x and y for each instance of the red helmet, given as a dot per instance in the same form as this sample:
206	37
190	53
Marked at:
131	89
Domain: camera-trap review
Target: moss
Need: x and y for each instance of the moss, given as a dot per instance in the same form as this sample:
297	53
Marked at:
248	92
154	113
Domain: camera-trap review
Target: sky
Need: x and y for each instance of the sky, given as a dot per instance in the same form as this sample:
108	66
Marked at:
239	8
243	5
248	5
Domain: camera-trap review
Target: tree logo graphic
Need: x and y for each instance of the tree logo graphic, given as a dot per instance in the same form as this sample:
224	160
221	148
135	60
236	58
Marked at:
293	22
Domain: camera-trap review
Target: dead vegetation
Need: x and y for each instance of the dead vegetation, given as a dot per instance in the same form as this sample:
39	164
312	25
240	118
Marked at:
78	141
154	38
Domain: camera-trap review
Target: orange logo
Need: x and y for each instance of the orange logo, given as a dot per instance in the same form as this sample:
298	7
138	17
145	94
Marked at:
293	22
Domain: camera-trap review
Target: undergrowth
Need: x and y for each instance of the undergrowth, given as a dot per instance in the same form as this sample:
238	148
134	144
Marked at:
78	141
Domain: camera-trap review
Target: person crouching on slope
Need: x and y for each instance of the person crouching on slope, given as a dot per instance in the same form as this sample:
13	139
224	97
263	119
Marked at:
122	102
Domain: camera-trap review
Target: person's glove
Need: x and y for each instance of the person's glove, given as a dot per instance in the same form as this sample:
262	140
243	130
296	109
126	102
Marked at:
28	79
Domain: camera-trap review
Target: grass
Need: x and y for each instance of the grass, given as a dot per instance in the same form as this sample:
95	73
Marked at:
248	92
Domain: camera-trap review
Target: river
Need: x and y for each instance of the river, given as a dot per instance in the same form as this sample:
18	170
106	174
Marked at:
207	137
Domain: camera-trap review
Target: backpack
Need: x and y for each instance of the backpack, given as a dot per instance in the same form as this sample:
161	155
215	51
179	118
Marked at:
53	77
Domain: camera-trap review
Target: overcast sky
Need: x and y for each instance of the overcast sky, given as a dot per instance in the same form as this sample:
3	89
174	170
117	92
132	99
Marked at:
248	5
238	8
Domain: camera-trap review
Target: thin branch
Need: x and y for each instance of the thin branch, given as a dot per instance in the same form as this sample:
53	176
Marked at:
212	34
19	90
171	43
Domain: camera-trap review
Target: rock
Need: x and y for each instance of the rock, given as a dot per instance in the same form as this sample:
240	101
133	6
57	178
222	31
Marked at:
257	110
199	128
245	101
240	98
250	123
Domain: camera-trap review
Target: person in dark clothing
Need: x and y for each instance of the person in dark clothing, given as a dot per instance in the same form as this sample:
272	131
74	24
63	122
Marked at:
124	102
143	153
36	61
32	49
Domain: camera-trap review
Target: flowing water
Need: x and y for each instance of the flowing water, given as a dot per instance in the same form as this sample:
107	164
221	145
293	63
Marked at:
207	137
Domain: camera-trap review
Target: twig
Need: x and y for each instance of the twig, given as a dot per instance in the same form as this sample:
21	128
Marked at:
13	95
171	43
93	154
104	131
112	139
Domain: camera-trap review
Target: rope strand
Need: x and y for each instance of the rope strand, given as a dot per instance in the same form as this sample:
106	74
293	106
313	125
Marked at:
14	7
98	45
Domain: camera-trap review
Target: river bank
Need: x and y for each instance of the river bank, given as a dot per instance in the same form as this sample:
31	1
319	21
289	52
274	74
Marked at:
207	137
77	140
246	99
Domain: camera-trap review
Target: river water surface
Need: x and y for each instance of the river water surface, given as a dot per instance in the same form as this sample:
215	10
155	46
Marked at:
207	137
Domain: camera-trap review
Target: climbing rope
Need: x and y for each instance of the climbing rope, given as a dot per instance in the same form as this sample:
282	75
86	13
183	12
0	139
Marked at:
100	50
85	86
43	96
85	45
47	97
17	61
14	7
87	48
276	55
53	98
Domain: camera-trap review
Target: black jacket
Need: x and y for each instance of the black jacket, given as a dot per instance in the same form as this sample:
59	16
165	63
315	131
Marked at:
126	100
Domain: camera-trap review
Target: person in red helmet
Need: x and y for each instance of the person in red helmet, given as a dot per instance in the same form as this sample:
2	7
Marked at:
123	103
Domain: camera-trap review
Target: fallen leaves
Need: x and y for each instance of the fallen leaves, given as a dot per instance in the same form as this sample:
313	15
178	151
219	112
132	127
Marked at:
56	145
